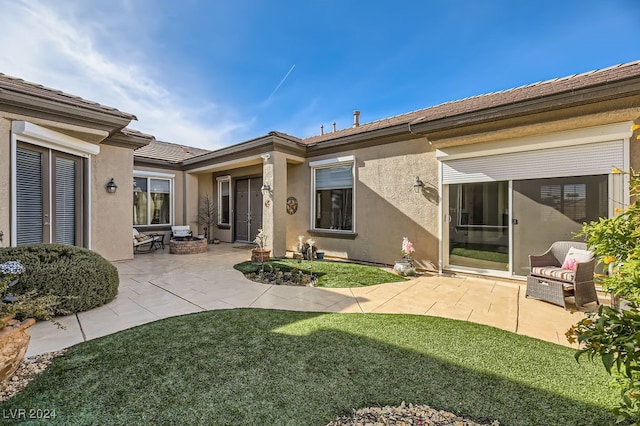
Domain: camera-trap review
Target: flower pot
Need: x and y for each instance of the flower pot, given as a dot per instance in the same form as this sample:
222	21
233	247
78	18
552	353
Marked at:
404	267
14	340
260	255
320	255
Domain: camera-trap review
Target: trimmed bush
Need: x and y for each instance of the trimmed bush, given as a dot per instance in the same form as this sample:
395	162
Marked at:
81	277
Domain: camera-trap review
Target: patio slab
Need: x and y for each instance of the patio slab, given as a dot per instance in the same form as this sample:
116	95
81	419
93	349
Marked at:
159	285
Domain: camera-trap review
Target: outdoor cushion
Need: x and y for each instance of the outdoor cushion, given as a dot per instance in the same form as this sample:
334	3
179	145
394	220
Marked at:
579	255
141	237
554	272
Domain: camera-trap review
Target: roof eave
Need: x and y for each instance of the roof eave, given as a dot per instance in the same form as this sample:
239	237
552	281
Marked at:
609	91
63	112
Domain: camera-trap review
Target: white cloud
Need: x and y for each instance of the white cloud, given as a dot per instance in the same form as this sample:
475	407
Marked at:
90	53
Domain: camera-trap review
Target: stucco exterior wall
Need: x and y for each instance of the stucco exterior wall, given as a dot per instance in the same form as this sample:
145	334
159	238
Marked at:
5	182
206	188
386	207
111	214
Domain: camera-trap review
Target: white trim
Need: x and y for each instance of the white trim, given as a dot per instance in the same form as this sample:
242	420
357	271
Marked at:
221	180
329	162
37	135
584	136
172	191
145	173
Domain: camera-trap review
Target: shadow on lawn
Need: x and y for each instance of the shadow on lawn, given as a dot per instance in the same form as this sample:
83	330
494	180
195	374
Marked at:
251	366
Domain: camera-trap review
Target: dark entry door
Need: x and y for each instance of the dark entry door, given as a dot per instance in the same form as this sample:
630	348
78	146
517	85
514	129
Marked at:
248	211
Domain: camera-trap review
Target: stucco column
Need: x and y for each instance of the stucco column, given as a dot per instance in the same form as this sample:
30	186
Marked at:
274	213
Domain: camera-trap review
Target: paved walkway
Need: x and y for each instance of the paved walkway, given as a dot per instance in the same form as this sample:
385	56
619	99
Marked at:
160	285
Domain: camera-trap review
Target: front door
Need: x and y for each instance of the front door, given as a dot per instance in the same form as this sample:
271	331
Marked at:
248	211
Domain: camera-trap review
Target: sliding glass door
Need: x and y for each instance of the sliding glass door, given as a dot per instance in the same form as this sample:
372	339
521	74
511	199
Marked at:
548	210
479	225
495	226
49	196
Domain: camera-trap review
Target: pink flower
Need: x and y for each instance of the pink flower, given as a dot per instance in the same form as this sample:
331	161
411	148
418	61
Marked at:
407	247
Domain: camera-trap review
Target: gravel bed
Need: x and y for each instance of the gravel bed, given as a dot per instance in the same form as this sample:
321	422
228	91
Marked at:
405	415
29	368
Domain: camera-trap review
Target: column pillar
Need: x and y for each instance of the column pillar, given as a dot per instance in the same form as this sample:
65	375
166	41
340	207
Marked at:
274	213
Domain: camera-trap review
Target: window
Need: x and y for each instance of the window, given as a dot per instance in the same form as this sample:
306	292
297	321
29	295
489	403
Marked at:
334	196
224	200
152	201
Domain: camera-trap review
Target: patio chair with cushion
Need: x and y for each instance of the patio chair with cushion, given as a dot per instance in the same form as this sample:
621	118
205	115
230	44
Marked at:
149	242
565	270
179	231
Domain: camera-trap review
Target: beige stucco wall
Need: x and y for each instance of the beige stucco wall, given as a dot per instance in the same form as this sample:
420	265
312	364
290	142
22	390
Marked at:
111	214
5	182
386	208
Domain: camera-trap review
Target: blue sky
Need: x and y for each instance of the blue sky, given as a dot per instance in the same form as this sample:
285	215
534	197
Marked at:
214	73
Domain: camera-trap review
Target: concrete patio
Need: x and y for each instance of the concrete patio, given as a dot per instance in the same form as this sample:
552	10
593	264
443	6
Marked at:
159	285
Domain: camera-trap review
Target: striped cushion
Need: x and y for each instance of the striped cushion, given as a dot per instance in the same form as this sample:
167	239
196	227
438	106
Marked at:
554	272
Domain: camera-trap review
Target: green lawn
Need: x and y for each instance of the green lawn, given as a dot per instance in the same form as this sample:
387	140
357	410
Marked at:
263	367
330	274
491	256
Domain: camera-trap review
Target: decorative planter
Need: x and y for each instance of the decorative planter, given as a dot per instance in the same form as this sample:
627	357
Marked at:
260	255
320	255
404	267
14	340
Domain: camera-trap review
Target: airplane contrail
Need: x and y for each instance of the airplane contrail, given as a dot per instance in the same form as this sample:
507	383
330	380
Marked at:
281	81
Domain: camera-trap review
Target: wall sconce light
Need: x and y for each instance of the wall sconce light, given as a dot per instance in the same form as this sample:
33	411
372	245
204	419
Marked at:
265	189
111	186
418	185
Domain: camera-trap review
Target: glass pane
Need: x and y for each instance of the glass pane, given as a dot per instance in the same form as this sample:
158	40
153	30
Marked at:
334	177
334	209
140	201
548	210
159	204
479	227
225	199
65	193
29	188
161	186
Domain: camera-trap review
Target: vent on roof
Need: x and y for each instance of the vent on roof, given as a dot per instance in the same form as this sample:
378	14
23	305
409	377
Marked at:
356	118
321	129
334	126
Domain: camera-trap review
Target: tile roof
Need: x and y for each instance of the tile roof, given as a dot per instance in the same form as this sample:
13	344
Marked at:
495	99
170	152
17	85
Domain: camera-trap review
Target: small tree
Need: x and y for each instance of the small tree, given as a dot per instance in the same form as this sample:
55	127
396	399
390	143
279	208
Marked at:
207	215
613	334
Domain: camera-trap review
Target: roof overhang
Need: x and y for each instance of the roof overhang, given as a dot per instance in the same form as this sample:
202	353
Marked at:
128	138
606	97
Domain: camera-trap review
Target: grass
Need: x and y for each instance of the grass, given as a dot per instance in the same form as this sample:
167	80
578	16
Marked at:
330	274
252	366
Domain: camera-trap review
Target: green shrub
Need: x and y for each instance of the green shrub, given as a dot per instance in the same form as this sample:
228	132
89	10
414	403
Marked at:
81	277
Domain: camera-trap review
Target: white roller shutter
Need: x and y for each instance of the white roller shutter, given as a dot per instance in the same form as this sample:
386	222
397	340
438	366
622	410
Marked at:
590	159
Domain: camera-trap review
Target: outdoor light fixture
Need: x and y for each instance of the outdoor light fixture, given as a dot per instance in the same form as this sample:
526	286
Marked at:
111	186
266	189
418	185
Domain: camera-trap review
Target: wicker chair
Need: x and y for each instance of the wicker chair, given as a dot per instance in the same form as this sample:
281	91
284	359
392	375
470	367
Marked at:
549	282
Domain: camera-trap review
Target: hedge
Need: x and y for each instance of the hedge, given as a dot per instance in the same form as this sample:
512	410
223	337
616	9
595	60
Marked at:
81	277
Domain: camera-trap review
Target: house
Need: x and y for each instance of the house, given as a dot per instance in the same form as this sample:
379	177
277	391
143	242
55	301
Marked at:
477	184
59	153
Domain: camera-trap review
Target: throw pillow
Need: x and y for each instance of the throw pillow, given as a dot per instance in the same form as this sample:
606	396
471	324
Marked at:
570	263
575	256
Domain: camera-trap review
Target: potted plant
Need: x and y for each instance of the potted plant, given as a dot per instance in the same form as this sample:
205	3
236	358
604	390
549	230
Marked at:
405	266
260	254
17	314
308	248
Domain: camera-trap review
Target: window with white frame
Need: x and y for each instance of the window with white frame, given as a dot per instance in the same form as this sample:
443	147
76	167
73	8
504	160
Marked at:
152	200
224	200
333	182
